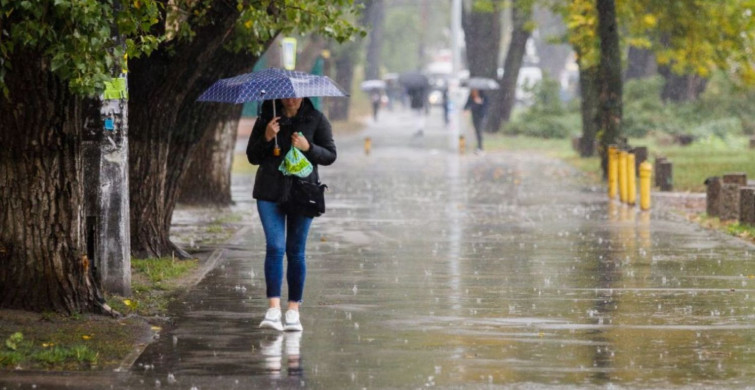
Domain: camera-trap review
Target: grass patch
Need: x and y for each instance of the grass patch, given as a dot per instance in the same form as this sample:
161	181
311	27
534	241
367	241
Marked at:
693	163
734	228
49	341
159	270
21	352
708	157
154	285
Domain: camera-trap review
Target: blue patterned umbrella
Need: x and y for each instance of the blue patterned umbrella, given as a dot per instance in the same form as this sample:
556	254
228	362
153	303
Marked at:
270	84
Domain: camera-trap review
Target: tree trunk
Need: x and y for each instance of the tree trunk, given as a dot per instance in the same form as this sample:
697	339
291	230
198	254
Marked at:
588	87
553	56
207	179
640	63
681	88
338	108
43	263
503	101
482	35
159	87
375	17
310	53
610	108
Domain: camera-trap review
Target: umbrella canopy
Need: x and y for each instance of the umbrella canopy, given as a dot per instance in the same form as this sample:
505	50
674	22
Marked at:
369	85
269	84
414	80
481	83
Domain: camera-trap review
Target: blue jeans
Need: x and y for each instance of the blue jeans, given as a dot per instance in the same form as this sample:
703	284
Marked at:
284	234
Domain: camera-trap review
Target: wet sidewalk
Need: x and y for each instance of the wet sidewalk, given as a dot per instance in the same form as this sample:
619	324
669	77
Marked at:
503	270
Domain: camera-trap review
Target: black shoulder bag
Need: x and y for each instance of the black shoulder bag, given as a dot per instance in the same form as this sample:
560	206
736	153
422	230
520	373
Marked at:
303	197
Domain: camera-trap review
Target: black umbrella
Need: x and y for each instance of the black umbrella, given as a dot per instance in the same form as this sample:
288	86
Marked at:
414	80
482	83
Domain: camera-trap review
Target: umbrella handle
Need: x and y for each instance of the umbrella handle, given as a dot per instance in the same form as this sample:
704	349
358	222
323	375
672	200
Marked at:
276	149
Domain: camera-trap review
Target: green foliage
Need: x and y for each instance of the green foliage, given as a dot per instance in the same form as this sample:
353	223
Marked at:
14	340
260	21
75	37
547	117
405	29
695	37
721	112
19	351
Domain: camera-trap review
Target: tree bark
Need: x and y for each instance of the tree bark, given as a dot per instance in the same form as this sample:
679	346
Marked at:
588	87
43	262
160	87
482	35
338	108
375	17
504	100
681	88
610	98
640	63
207	179
310	53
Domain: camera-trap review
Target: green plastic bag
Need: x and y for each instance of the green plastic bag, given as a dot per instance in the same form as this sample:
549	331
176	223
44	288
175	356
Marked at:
295	163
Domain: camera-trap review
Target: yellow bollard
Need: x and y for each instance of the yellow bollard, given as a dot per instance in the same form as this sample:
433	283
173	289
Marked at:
367	145
631	180
613	171
623	176
462	144
646	171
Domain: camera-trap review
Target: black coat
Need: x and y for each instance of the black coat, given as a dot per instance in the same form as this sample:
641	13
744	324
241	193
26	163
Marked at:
269	181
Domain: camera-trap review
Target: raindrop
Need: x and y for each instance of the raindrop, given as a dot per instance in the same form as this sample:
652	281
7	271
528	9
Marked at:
355	289
171	379
157	383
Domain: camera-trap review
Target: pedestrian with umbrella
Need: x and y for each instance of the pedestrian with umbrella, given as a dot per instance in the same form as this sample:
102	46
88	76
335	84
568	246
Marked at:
300	125
417	86
477	104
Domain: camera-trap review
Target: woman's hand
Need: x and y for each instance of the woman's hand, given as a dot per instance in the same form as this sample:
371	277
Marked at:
300	142
272	129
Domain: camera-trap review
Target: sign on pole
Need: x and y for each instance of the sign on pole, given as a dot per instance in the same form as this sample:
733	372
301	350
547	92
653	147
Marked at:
288	53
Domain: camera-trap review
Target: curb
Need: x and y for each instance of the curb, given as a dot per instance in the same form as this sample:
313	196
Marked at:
207	266
211	262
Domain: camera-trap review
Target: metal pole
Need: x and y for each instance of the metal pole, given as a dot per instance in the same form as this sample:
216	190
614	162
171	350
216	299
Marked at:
454	92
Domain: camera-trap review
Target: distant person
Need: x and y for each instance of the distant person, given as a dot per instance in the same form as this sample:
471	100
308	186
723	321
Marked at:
298	124
417	101
477	103
446	106
375	99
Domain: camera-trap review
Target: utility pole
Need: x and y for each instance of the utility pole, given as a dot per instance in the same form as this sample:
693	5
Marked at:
105	151
454	92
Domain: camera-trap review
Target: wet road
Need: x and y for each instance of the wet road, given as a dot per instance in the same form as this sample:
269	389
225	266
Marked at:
432	269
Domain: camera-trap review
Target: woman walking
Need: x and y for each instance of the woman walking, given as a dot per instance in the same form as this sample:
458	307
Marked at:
304	127
477	103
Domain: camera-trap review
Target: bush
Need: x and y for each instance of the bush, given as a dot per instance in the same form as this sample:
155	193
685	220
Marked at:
545	126
546	117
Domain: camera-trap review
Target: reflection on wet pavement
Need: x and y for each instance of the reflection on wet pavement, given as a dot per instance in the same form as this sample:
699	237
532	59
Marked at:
503	270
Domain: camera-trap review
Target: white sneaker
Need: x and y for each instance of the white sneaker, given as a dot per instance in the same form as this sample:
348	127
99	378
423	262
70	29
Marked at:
291	322
272	319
